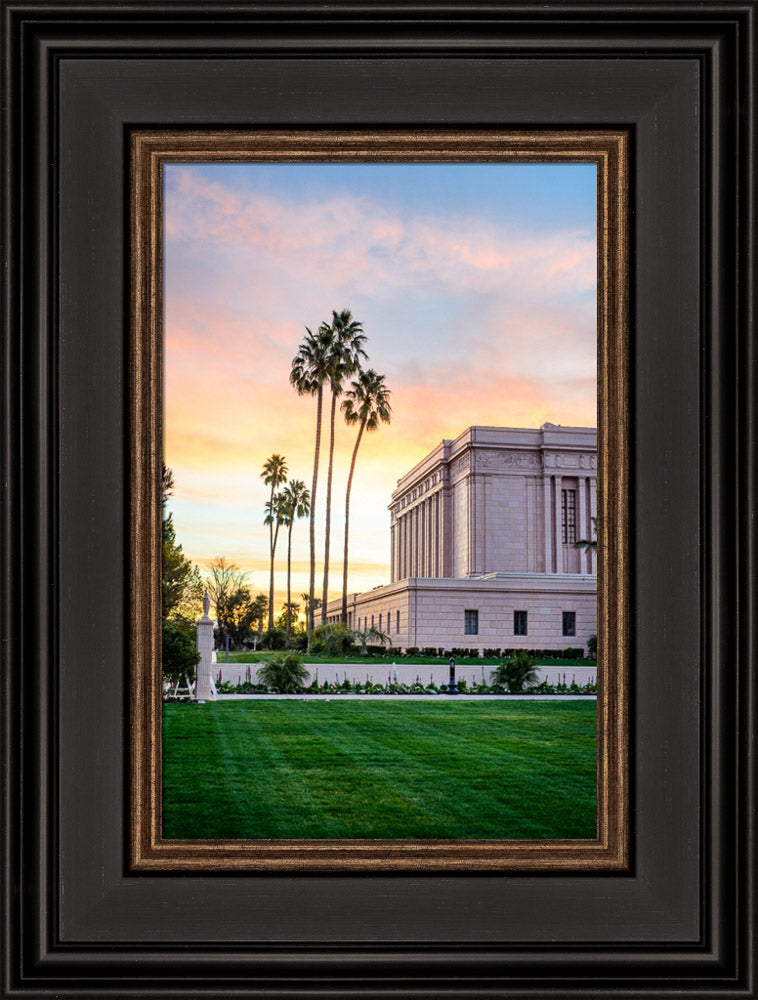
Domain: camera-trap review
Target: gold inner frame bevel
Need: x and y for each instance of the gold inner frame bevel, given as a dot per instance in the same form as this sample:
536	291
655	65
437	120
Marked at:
149	150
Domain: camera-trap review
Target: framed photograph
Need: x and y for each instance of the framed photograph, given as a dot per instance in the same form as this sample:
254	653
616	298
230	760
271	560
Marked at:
97	99
491	536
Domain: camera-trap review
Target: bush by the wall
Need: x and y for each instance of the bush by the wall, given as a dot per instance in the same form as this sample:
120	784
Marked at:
180	654
284	673
516	672
332	638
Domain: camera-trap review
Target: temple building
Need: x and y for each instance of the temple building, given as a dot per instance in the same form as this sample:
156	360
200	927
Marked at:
482	544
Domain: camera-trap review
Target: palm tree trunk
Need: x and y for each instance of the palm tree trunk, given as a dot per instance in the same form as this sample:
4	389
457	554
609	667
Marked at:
327	526
271	565
289	582
316	456
271	581
347	520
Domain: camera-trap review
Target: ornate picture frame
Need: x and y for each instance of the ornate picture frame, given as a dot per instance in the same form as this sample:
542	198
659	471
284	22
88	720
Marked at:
609	152
680	918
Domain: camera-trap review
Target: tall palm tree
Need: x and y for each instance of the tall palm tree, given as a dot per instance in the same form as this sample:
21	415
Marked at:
344	360
308	374
366	403
306	603
274	474
296	504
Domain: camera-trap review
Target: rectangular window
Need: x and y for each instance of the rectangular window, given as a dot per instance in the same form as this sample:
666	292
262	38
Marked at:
568	516
471	623
520	625
397	621
372	621
569	622
380	621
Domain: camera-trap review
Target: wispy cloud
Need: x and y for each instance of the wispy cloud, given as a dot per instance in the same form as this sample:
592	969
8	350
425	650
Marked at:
473	320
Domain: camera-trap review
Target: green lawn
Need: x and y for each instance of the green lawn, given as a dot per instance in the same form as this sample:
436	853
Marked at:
405	770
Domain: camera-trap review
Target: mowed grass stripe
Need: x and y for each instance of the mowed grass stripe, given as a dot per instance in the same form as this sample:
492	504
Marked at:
406	770
470	798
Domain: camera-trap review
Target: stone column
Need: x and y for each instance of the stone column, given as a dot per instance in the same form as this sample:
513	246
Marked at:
427	538
416	540
582	520
205	648
593	513
407	544
548	525
435	534
393	550
558	527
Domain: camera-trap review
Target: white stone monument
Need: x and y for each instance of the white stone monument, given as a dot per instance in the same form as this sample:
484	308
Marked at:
203	691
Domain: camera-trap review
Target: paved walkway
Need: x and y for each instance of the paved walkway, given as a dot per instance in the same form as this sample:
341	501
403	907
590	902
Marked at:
407	697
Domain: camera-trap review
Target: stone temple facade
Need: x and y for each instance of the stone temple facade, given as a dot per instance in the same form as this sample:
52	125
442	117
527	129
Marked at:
482	544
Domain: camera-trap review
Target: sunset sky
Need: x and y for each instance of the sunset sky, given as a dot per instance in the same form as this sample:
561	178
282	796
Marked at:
476	288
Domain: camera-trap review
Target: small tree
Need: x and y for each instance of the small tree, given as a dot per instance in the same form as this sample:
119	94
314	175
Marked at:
284	673
516	672
592	647
334	638
588	544
365	637
180	653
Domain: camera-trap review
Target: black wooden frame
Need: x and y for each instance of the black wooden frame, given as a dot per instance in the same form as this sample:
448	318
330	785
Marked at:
77	76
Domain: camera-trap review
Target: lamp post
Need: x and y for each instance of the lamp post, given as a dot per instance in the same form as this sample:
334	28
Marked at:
451	688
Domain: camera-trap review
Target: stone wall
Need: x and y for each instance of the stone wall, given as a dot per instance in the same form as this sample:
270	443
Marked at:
491	501
235	673
431	612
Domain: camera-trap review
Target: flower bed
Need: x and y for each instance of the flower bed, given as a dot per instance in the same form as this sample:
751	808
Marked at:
370	687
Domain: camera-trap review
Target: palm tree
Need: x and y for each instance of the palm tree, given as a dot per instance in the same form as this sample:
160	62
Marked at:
274	474
308	374
274	518
367	404
344	360
306	604
296	503
588	544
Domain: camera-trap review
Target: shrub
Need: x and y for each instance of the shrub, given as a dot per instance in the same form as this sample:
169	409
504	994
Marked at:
411	651
180	654
516	672
394	651
274	638
284	673
332	638
592	647
429	651
299	641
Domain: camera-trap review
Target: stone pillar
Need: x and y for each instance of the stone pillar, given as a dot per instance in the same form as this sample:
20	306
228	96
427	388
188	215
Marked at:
406	544
548	525
427	538
593	513
393	550
205	648
582	520
558	527
420	546
416	540
435	534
